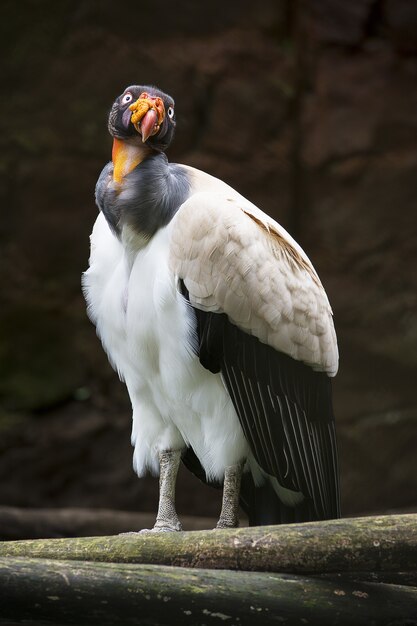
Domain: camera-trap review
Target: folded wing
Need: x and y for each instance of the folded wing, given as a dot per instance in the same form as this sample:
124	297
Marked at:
264	322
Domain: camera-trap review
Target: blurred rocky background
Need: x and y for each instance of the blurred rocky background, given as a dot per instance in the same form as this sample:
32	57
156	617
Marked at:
310	110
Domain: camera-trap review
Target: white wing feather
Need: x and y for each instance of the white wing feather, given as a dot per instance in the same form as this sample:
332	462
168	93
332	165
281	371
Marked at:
235	259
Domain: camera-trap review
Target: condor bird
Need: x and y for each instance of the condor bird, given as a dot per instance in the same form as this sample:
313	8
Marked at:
219	325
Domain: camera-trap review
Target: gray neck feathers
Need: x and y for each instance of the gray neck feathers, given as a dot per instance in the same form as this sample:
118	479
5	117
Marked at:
152	194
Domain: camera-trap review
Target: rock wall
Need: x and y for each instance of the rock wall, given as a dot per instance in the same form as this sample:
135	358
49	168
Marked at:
310	110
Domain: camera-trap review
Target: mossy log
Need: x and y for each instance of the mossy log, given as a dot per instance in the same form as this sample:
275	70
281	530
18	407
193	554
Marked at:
366	544
118	594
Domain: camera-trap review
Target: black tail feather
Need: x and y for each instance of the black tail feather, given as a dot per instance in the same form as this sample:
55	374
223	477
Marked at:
264	508
261	504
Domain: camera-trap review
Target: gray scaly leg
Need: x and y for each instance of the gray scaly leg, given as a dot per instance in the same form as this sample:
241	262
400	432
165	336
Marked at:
229	517
167	518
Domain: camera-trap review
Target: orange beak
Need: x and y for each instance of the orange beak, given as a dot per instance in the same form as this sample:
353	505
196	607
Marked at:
148	113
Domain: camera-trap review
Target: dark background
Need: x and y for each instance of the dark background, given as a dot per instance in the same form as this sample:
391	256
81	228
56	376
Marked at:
310	110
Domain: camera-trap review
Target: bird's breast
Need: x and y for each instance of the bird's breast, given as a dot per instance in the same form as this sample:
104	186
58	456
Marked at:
148	331
145	325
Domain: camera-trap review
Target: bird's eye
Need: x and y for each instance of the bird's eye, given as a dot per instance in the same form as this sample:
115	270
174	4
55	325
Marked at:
127	98
171	112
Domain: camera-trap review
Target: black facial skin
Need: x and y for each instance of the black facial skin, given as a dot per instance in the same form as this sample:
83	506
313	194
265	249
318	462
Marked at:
117	120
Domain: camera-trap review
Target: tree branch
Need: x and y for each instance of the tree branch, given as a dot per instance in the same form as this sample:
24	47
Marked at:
367	544
118	594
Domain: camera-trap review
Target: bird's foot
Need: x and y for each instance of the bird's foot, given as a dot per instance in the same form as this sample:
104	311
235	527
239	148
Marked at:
221	524
162	526
145	531
165	526
161	529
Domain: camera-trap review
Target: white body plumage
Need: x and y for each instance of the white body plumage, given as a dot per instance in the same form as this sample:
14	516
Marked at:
148	329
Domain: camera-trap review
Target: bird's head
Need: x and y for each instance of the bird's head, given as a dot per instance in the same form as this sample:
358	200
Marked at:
145	115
